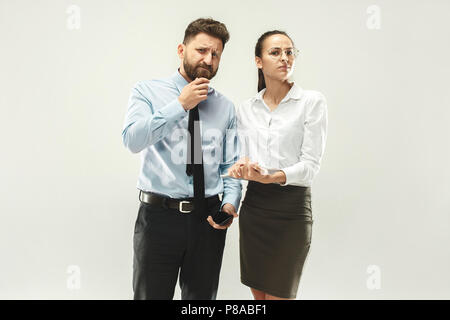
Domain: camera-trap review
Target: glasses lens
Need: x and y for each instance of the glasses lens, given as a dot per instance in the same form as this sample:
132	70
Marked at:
291	53
275	52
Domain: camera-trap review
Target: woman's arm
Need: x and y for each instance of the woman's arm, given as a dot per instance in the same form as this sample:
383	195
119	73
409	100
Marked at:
313	146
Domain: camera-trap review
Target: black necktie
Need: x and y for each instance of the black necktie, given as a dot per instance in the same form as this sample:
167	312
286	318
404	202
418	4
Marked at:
195	160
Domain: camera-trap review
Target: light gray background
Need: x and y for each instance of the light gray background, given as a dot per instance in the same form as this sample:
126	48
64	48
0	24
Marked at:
68	185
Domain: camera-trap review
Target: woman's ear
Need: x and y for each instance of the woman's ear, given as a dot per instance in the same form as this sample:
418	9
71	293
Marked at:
258	62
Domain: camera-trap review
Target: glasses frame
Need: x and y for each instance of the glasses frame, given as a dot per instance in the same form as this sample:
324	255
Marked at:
294	49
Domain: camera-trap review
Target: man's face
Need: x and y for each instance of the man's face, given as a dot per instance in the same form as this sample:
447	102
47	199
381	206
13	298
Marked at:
201	56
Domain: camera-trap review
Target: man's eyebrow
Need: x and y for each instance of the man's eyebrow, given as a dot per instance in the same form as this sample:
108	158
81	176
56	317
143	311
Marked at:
280	48
206	47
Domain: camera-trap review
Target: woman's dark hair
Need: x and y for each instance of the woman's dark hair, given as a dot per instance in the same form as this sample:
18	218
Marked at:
209	26
258	53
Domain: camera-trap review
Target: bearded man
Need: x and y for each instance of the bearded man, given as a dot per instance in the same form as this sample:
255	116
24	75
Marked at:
185	132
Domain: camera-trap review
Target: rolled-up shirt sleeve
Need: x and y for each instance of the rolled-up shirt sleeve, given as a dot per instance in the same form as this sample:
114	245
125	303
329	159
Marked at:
313	145
144	126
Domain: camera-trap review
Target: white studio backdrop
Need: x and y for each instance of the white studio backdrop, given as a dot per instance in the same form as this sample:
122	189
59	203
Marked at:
68	185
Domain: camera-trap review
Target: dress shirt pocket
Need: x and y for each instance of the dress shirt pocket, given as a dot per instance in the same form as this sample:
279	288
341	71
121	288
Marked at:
212	153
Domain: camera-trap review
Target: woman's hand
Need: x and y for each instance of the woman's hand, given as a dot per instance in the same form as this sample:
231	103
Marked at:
245	169
252	171
234	171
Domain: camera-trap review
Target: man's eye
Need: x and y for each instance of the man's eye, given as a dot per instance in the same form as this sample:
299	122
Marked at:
202	50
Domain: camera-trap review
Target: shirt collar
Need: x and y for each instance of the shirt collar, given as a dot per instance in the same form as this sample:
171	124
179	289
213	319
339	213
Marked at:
295	93
181	82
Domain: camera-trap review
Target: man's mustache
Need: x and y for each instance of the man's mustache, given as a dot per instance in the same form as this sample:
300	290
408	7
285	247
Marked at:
209	68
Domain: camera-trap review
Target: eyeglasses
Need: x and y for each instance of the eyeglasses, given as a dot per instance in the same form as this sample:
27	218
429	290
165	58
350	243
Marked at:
276	52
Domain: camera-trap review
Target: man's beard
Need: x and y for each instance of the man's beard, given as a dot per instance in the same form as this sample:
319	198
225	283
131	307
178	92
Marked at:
199	71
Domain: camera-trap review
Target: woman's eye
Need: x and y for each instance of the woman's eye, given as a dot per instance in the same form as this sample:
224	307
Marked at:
275	52
289	52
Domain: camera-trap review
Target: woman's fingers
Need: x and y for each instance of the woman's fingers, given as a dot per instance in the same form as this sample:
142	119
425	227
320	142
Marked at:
247	170
234	171
238	170
257	167
242	172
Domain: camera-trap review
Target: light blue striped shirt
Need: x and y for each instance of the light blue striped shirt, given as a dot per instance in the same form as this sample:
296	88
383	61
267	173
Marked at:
156	126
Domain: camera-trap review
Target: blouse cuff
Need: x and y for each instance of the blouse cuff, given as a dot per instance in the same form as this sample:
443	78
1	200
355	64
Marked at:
288	172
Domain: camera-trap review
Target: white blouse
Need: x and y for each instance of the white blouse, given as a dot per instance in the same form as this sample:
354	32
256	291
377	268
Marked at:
290	138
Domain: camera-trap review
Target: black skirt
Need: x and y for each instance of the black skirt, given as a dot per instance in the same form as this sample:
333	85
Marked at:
275	229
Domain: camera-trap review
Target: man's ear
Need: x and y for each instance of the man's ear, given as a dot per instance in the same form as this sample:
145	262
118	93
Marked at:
181	49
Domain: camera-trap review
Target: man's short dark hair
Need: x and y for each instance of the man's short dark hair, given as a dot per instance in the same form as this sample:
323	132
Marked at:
209	26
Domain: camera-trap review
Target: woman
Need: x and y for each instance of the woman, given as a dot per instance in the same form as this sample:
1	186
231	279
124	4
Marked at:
282	131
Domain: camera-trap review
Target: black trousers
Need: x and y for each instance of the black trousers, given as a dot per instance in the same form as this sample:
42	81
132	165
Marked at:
167	243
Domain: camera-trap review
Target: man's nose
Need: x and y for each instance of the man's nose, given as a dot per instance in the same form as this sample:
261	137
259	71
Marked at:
208	59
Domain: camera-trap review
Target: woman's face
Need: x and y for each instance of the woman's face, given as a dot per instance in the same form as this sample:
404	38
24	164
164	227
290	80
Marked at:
277	57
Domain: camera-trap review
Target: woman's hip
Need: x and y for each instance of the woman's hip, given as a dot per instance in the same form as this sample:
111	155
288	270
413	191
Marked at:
271	200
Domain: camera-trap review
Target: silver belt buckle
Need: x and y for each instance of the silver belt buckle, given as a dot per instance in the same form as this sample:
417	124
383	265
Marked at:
180	207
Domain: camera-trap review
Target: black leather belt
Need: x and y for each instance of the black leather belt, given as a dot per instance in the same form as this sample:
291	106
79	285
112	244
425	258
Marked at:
183	205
